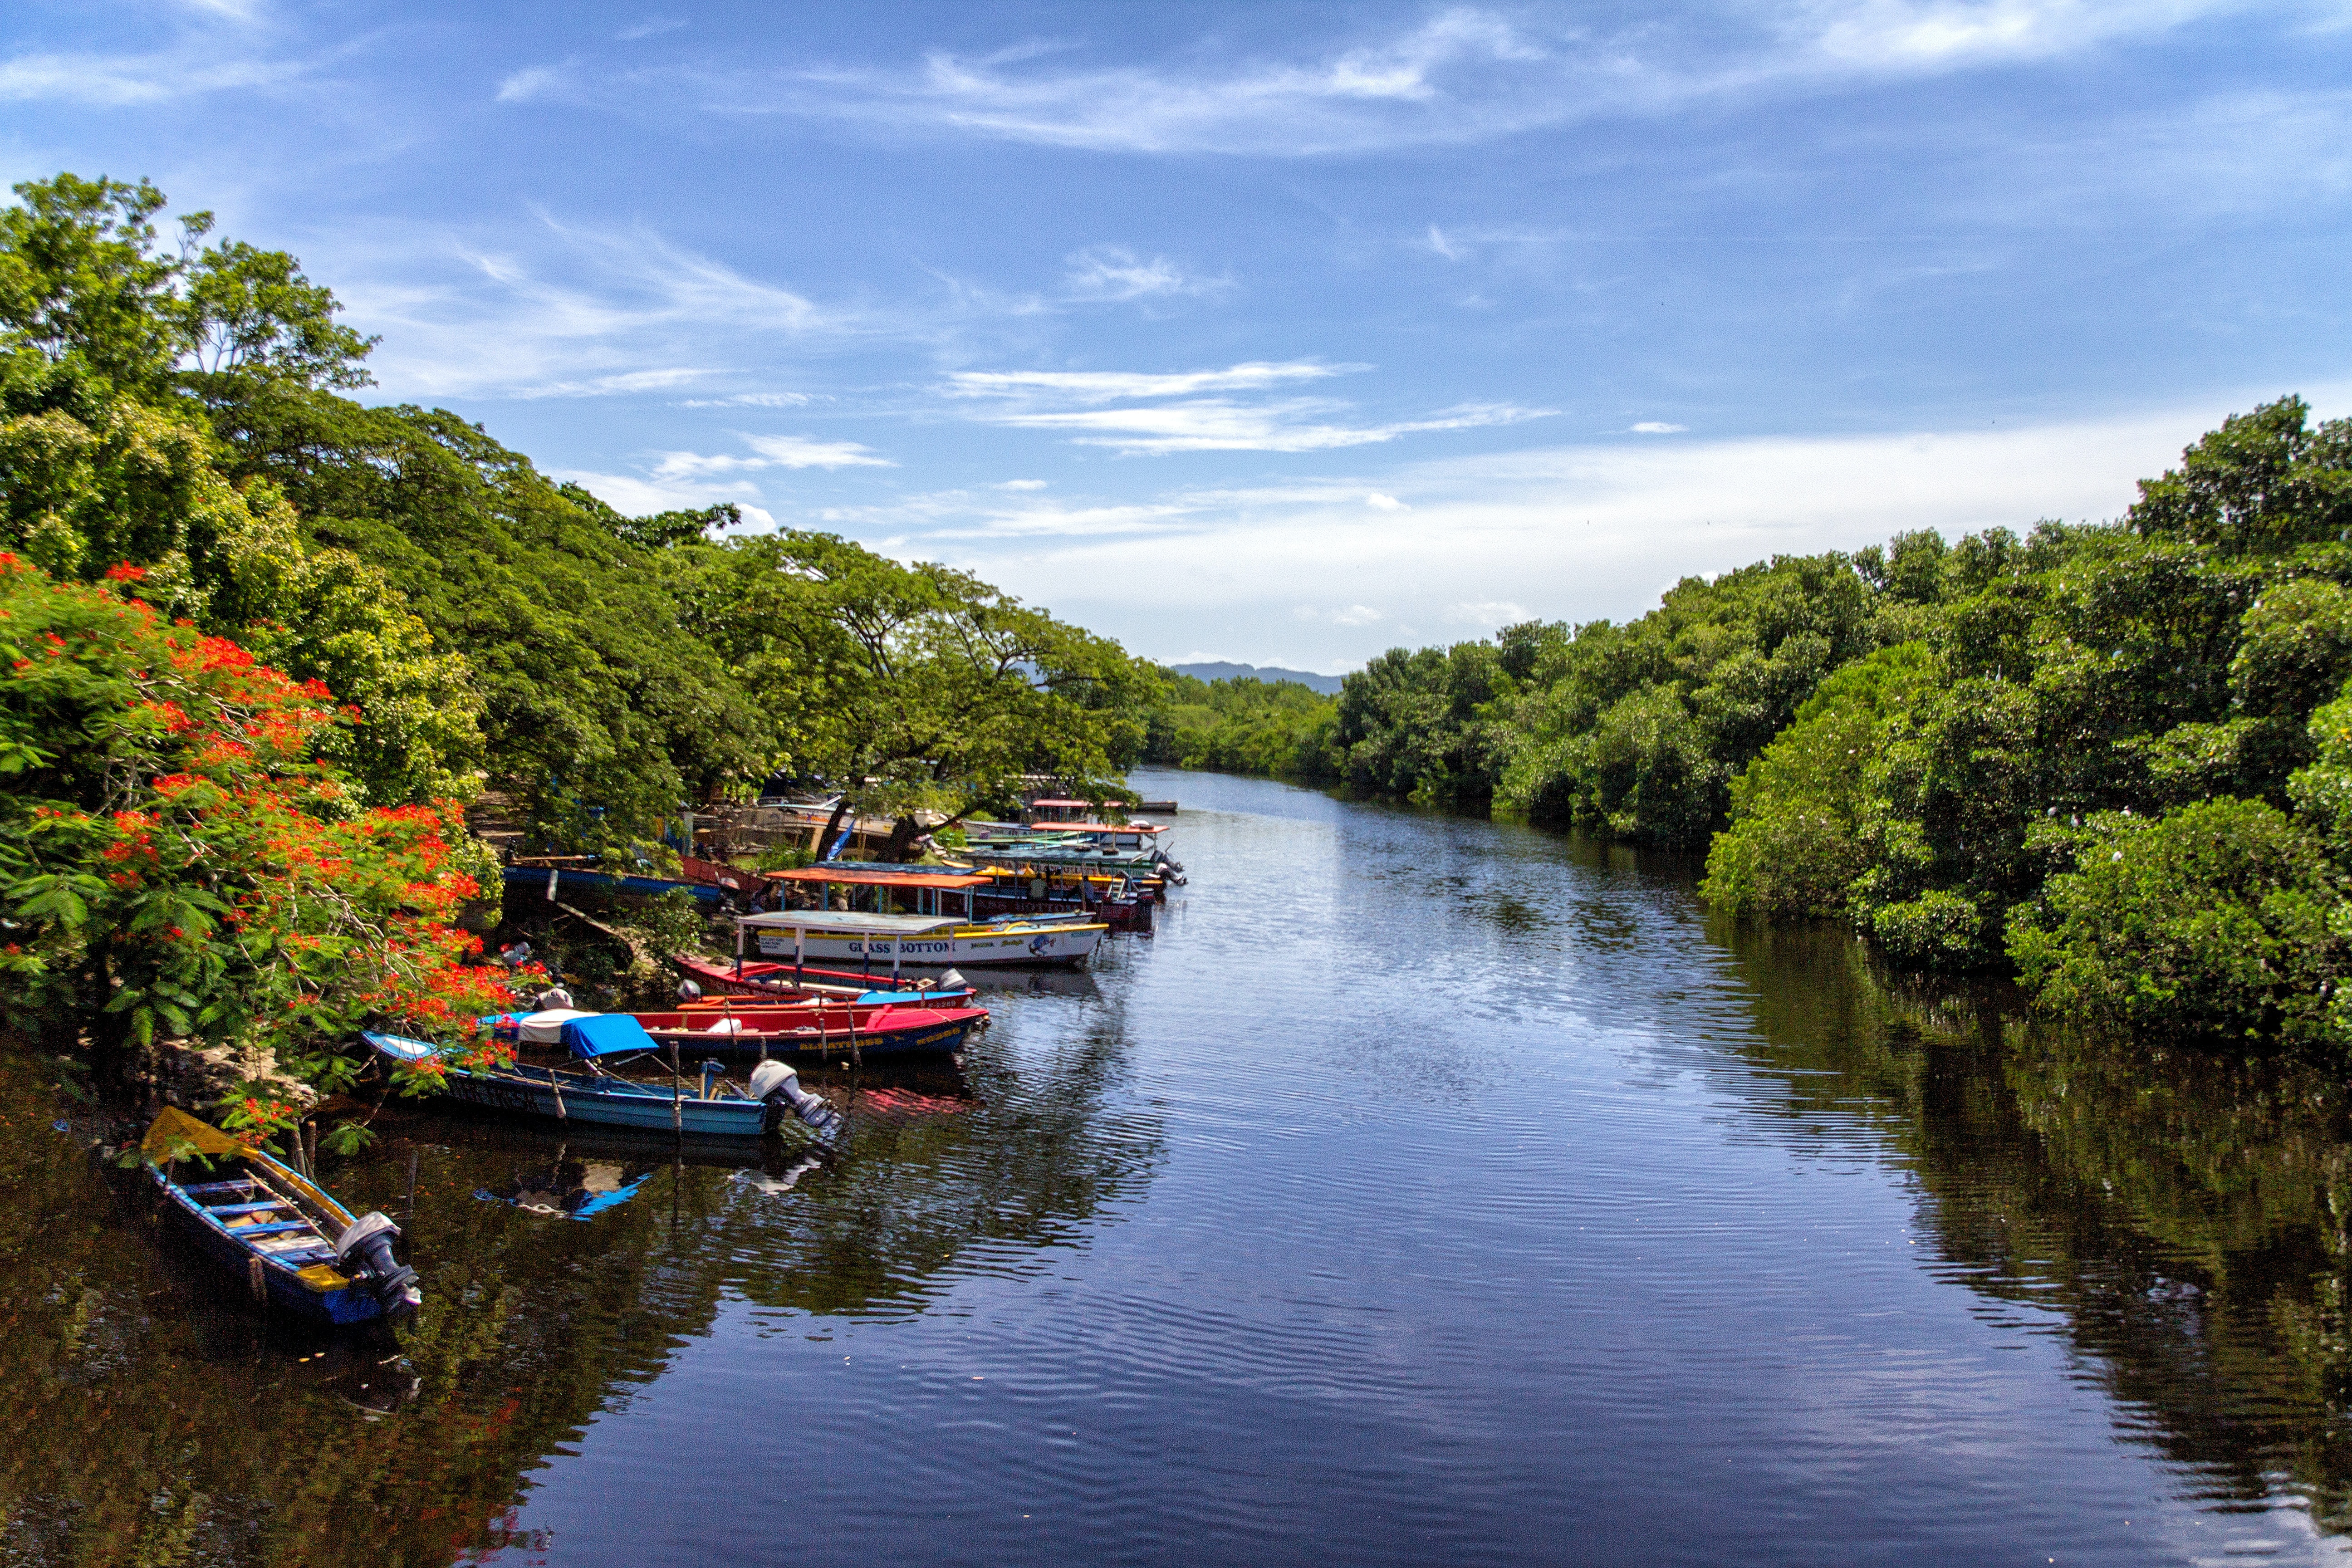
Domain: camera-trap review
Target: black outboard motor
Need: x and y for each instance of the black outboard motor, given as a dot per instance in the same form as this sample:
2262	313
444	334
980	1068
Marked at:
366	1248
780	1087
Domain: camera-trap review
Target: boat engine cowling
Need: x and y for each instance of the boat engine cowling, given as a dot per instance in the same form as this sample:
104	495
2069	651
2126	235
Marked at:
365	1246
780	1085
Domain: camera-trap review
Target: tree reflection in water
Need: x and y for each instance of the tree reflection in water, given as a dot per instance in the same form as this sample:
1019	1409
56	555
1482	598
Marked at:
2180	1219
169	1423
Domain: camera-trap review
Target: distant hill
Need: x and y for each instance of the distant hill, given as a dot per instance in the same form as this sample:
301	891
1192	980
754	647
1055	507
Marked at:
1326	684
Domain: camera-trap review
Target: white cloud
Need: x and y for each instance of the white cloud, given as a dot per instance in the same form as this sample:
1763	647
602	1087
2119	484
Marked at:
1430	83
634	496
1488	613
533	83
1038	400
1115	275
1460	75
800	452
116	81
1110	386
650	28
581	313
1379	502
1219	425
1564	532
1021	485
1900	34
1658	428
769	452
748	400
1355	615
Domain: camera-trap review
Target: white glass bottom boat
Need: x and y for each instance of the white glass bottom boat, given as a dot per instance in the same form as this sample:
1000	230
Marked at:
873	942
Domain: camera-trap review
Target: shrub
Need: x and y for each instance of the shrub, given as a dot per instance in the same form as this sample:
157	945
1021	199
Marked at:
2213	923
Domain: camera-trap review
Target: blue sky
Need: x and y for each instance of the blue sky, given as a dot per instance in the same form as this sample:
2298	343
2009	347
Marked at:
1282	334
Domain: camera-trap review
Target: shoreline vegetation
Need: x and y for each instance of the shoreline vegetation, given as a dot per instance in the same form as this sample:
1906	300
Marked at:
263	642
2114	759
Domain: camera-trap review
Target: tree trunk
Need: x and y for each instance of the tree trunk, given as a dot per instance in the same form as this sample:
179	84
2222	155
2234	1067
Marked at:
901	847
832	826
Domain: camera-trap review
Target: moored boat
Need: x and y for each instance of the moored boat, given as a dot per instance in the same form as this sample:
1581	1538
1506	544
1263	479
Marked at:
705	1106
784	982
912	919
293	1245
856	1032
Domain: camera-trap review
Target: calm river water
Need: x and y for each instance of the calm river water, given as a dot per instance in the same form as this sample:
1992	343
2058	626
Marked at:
1429	1190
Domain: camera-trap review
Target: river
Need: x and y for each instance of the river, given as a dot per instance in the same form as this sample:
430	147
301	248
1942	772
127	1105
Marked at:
1428	1190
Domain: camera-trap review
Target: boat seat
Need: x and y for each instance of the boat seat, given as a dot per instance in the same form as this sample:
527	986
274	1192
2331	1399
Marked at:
245	1208
242	1184
270	1229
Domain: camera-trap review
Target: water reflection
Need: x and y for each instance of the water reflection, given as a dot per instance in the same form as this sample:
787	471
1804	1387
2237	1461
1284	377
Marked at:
2178	1219
177	1426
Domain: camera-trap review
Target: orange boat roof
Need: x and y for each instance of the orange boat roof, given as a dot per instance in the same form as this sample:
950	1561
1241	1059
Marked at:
875	878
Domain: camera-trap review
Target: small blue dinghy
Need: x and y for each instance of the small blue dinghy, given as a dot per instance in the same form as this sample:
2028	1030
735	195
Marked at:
294	1245
705	1107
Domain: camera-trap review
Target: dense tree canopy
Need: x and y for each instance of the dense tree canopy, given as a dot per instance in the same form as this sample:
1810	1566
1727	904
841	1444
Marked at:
185	410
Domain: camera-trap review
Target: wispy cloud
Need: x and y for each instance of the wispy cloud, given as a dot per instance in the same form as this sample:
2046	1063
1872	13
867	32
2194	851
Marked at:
584	312
1219	425
651	26
1115	386
770	452
1162	418
1115	274
1464	74
748	400
1657	428
116	81
1906	35
535	82
1425	84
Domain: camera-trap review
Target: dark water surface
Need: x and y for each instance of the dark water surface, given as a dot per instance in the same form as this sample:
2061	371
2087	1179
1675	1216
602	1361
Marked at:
1428	1191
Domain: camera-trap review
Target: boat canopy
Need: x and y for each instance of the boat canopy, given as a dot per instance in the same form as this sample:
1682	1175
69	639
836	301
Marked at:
943	878
537	1028
852	922
174	1133
603	1034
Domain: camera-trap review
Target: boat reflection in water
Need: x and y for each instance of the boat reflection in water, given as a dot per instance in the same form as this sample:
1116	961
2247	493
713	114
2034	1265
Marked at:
573	1189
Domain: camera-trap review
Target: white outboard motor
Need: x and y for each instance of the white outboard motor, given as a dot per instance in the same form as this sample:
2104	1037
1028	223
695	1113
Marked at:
366	1247
953	980
780	1087
687	991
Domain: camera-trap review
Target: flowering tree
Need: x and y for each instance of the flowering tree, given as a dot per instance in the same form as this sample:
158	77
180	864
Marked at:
176	858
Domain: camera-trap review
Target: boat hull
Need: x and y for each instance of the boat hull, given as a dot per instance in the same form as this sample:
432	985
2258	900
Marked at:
536	1092
339	1306
938	1035
781	982
1066	947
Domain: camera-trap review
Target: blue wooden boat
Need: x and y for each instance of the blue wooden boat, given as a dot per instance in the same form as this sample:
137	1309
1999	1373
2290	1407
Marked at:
292	1242
706	1108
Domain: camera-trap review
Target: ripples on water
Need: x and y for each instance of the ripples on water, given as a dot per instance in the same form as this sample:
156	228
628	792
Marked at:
1430	1190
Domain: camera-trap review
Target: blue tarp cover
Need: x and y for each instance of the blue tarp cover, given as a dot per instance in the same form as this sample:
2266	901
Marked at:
605	1034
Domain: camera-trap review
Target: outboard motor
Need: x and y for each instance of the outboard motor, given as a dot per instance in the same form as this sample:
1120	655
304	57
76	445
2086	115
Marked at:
687	991
953	980
780	1087
365	1247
